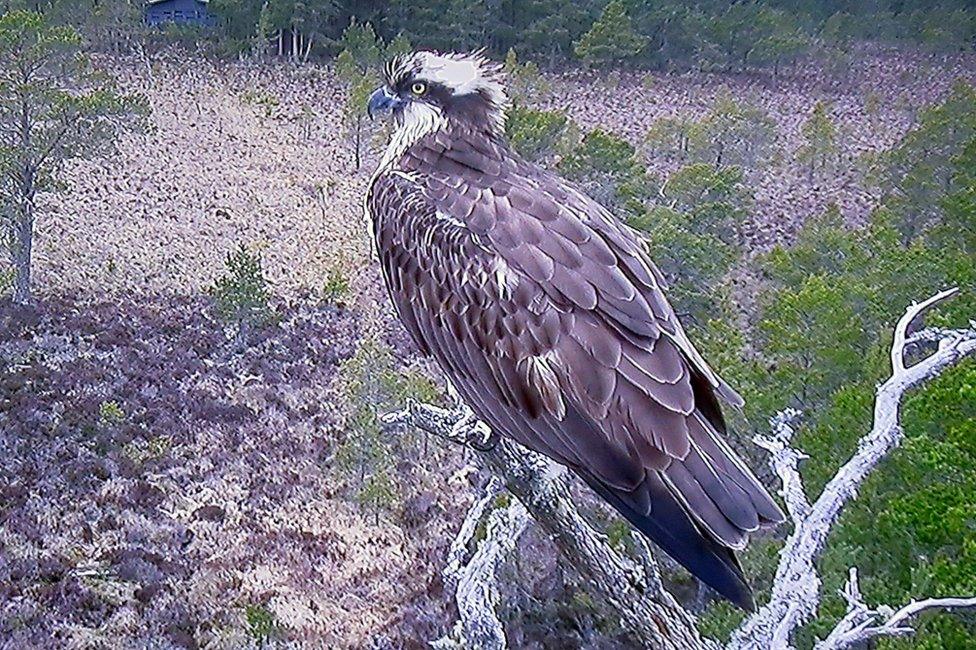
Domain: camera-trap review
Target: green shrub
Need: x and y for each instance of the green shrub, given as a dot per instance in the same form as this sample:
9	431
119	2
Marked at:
373	383
692	233
241	296
336	287
261	623
109	413
535	134
608	169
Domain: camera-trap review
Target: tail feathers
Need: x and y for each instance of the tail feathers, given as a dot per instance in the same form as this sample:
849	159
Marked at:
669	526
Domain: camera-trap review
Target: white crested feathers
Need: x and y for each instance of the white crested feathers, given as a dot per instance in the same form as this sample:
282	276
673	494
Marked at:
463	74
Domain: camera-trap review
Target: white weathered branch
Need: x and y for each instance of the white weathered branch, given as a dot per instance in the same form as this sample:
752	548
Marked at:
862	623
627	590
474	575
785	461
796	588
631	590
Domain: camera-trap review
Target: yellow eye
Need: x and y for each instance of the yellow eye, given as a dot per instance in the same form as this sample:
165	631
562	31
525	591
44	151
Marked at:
419	88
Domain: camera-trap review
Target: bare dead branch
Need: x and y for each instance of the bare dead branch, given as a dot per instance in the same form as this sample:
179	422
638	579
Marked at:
796	588
785	461
862	623
629	591
474	575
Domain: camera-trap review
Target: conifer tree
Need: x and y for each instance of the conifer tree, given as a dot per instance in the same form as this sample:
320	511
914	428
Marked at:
611	39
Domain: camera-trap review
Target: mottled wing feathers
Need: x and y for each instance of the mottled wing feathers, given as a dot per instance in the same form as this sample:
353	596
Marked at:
552	323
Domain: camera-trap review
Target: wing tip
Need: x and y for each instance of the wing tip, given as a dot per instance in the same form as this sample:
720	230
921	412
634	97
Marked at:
670	527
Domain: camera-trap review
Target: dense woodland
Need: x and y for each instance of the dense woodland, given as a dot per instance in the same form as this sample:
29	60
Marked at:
707	35
127	404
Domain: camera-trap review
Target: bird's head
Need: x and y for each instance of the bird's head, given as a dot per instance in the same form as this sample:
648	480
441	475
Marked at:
429	86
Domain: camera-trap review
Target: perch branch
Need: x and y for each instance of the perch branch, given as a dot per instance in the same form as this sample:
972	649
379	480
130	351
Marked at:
628	590
796	588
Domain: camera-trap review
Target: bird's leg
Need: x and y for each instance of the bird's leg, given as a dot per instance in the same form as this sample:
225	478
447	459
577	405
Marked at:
468	429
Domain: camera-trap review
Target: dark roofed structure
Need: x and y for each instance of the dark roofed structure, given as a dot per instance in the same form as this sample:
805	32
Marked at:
179	12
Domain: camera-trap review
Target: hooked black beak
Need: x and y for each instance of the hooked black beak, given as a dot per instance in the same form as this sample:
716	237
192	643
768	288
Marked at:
381	101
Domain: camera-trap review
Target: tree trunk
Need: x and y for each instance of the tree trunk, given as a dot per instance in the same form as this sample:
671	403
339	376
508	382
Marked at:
23	224
20	254
359	130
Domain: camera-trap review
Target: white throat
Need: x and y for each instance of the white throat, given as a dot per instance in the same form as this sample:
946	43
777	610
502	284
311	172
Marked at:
417	120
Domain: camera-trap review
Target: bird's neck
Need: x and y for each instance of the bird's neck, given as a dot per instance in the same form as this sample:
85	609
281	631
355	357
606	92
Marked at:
416	121
421	120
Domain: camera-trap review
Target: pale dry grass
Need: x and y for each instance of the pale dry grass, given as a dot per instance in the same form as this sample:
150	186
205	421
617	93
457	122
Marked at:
237	154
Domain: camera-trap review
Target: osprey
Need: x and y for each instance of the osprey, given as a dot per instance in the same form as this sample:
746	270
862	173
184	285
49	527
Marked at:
550	320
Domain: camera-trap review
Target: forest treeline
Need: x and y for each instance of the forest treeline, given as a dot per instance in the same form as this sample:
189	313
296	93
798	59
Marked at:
666	34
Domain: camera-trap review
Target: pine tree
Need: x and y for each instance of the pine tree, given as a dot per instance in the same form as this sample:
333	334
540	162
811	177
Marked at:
820	139
399	44
53	107
359	39
611	39
555	25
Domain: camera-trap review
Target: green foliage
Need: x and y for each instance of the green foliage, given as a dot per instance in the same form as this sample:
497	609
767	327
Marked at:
261	99
957	229
727	36
819	139
551	27
920	171
692	236
611	39
378	493
239	21
535	134
336	287
252	25
241	296
731	133
372	383
356	66
261	623
760	34
400	44
354	111
808	333
618	533
834	297
447	25
109	413
608	169
361	43
525	82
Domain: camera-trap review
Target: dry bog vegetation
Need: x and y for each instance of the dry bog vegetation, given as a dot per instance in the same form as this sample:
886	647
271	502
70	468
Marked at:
256	154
